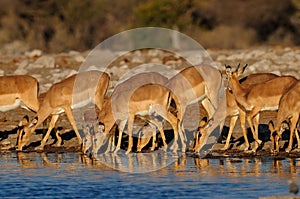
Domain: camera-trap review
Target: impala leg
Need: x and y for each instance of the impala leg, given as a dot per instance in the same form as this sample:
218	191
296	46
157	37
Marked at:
297	133
274	137
130	138
249	119
193	144
58	137
153	126
253	129
293	124
51	126
109	146
231	126
277	137
243	126
98	139
208	106
256	123
88	138
139	143
153	140
23	124
29	129
121	127
197	141
113	138
70	117
183	141
159	125
298	138
200	141
174	123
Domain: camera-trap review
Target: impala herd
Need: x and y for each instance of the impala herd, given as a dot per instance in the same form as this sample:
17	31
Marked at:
155	99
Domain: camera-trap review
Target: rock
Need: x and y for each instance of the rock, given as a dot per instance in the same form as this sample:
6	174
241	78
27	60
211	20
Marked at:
138	57
6	145
22	64
117	72
20	71
42	62
34	53
15	48
46	61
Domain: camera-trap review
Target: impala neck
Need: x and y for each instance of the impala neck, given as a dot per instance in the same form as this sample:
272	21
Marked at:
236	88
106	116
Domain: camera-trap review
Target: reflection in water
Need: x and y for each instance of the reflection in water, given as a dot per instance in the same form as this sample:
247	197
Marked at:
168	175
151	162
136	162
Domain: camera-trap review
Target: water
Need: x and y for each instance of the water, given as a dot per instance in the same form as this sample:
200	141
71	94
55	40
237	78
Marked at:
69	175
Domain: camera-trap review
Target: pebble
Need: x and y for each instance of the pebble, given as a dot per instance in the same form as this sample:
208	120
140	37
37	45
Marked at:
34	53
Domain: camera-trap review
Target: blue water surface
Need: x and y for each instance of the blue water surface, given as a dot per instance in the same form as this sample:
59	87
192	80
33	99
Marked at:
71	175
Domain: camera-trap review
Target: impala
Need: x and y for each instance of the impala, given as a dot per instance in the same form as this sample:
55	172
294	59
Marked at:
118	108
148	100
200	133
289	110
73	92
234	111
261	97
19	91
194	84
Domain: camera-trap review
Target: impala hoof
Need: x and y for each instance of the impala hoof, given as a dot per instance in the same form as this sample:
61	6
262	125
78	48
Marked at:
274	152
259	142
127	152
173	149
288	150
114	151
254	150
58	144
297	150
249	151
224	148
39	148
246	148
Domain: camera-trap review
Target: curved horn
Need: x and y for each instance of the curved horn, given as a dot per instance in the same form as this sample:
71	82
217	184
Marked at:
238	67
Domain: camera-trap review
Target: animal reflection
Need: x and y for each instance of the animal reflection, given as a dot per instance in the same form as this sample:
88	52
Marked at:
164	162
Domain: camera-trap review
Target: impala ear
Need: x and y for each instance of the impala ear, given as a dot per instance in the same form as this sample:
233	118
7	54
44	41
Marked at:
203	122
24	121
284	126
228	70
271	126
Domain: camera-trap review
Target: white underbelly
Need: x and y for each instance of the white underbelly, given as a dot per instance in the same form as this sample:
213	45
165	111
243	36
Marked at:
143	113
16	104
60	111
274	108
81	104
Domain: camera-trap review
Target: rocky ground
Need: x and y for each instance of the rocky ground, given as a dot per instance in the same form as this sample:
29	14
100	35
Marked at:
51	68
